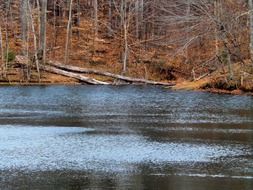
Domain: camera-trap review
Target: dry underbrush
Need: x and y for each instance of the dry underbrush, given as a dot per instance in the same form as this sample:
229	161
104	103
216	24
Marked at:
242	79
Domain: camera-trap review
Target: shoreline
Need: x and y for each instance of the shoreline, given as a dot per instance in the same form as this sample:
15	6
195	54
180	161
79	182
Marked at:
237	92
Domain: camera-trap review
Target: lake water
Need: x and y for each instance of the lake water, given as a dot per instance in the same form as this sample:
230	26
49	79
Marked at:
128	137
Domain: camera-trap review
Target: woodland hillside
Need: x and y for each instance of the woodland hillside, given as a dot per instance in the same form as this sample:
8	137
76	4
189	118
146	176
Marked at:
195	43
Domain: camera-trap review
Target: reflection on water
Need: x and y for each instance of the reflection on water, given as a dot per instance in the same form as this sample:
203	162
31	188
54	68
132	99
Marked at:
52	148
124	138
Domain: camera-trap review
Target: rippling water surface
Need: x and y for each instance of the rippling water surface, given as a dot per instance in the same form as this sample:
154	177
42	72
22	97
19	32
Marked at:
95	137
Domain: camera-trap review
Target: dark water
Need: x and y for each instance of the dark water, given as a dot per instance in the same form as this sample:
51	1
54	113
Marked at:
124	138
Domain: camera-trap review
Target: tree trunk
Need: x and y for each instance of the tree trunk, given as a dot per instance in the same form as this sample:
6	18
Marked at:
217	14
224	37
95	23
124	25
34	41
95	18
110	17
125	57
2	50
137	18
68	33
24	25
73	75
55	38
39	21
43	29
7	33
188	11
107	74
78	18
251	29
141	24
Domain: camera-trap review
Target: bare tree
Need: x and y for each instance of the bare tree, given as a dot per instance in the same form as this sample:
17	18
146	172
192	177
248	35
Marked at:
24	25
34	40
95	4
2	50
251	28
66	57
43	30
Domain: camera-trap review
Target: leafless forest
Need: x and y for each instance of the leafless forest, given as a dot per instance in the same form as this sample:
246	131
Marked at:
153	39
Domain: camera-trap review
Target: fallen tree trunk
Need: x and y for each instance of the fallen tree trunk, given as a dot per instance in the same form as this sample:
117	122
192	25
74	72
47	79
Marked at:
72	75
108	74
72	72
